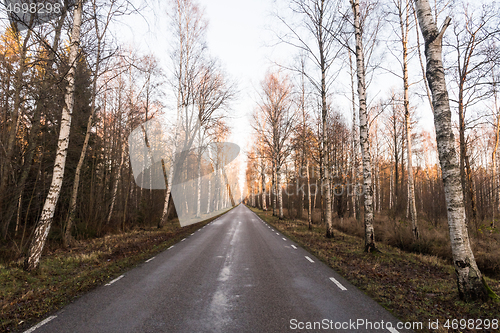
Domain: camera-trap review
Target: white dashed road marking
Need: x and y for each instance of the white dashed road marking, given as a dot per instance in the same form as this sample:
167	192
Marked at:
170	247
309	259
294	247
40	324
392	330
150	259
183	240
113	281
339	284
284	238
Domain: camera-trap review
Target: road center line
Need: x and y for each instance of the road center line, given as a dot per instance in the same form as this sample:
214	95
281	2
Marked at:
40	324
294	247
339	284
150	259
113	281
309	259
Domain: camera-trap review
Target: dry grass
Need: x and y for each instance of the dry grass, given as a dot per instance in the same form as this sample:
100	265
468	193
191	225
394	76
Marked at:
434	240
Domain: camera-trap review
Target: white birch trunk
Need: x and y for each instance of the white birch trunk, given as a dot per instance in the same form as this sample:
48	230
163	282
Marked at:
309	201
44	224
263	178
115	187
469	279
355	149
198	185
496	194
209	193
273	186
280	193
405	30
364	131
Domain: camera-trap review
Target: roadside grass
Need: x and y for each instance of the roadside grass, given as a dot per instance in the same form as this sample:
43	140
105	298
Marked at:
66	274
413	287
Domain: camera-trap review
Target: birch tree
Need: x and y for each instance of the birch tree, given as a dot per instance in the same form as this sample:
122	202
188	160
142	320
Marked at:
403	8
44	224
470	282
321	20
189	27
364	130
475	59
114	8
278	118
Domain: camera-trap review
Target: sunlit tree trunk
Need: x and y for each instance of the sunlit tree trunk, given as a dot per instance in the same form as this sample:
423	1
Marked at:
43	226
309	201
355	146
67	238
279	192
404	23
263	180
115	187
325	186
494	182
198	186
273	185
364	130
469	278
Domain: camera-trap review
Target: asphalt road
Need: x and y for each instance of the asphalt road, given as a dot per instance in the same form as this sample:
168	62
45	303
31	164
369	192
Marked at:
236	274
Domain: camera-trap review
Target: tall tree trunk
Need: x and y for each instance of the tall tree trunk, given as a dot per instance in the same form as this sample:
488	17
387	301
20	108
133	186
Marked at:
173	166
391	189
355	146
325	184
273	185
67	238
198	185
263	179
364	131
43	226
280	193
309	201
494	182
469	279
209	190
404	23
115	187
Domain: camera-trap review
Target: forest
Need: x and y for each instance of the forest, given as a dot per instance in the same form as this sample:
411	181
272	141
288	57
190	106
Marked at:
88	146
382	123
373	168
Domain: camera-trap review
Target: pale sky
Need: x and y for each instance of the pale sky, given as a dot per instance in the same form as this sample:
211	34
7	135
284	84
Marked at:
238	36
